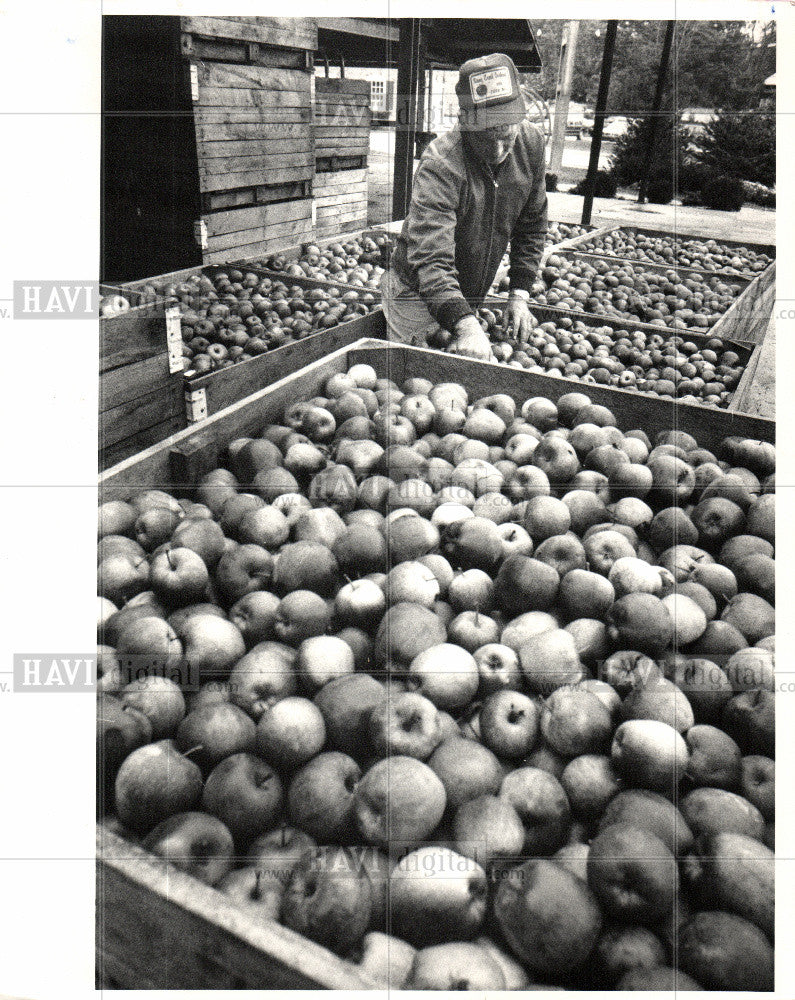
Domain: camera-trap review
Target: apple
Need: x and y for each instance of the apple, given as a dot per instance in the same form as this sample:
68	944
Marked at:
277	852
659	699
757	783
243	570
590	782
498	667
437	895
122	575
323	658
585	594
722	951
509	723
715	810
321	797
160	700
575	722
264	675
455	965
155	526
255	890
473	543
405	724
254	616
148	645
213	732
641	621
301	615
212	645
524	582
306	565
557	458
195	843
446	674
360	603
406	630
549	917
549	660
399	801
751	615
235	507
246	794
387	958
154	782
633	874
411	582
653	812
328	899
203	536
650	754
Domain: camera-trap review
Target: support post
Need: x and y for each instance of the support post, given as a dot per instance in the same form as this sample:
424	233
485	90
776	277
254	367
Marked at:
568	50
599	120
662	73
406	114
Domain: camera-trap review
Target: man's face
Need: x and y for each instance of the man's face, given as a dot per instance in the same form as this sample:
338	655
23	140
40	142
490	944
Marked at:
493	145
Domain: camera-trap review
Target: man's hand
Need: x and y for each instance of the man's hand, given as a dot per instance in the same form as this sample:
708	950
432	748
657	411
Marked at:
471	339
517	314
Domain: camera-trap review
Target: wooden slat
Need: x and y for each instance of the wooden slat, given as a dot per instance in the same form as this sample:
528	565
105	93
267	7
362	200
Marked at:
132	336
747	319
164	403
255	177
342	131
159	928
355	197
153	467
756	393
263	132
113	454
292	32
236	245
222	388
259	249
338	86
238	219
255	147
246	164
133	381
253	77
252	98
333	181
263	114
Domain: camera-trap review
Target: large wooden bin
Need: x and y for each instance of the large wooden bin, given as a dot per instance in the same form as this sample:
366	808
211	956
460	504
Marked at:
161	929
208	139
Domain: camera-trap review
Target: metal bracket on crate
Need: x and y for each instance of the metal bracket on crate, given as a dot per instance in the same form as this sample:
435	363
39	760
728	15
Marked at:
200	233
176	361
195	405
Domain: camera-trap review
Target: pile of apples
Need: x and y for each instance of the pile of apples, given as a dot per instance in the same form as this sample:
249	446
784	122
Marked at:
476	694
632	292
556	233
359	262
686	251
658	364
231	316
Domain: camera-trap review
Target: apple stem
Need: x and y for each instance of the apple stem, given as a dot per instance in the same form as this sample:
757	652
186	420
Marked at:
170	560
187	753
257	891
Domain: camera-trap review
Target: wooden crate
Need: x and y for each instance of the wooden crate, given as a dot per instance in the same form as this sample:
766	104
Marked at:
159	928
166	463
756	393
140	377
766	248
208	139
201	396
747	320
342	123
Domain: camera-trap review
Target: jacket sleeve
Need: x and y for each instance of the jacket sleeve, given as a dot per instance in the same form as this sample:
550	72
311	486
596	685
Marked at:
529	233
430	241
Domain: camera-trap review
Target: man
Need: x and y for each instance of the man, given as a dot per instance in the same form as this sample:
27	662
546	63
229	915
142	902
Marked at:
477	189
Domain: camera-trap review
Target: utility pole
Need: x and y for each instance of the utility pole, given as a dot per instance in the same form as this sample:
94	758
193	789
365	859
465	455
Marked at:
568	51
662	73
600	113
406	113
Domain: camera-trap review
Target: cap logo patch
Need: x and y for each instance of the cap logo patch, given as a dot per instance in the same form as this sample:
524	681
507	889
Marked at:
491	84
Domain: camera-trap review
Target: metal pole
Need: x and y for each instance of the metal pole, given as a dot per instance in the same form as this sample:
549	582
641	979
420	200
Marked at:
406	114
568	50
662	73
599	120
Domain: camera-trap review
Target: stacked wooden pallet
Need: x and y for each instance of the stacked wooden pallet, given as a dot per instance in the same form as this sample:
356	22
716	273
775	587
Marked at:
342	143
209	144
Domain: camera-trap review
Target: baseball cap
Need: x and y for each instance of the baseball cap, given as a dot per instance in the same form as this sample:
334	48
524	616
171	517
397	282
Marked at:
488	93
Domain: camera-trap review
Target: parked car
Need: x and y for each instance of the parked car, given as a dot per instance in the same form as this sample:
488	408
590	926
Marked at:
614	128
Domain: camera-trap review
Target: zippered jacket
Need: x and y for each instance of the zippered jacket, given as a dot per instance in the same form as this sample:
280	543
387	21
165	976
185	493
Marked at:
463	215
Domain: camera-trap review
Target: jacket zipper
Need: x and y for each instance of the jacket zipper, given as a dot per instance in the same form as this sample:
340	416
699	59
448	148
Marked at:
494	181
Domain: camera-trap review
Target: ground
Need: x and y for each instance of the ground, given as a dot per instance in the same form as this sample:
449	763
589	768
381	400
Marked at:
752	223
